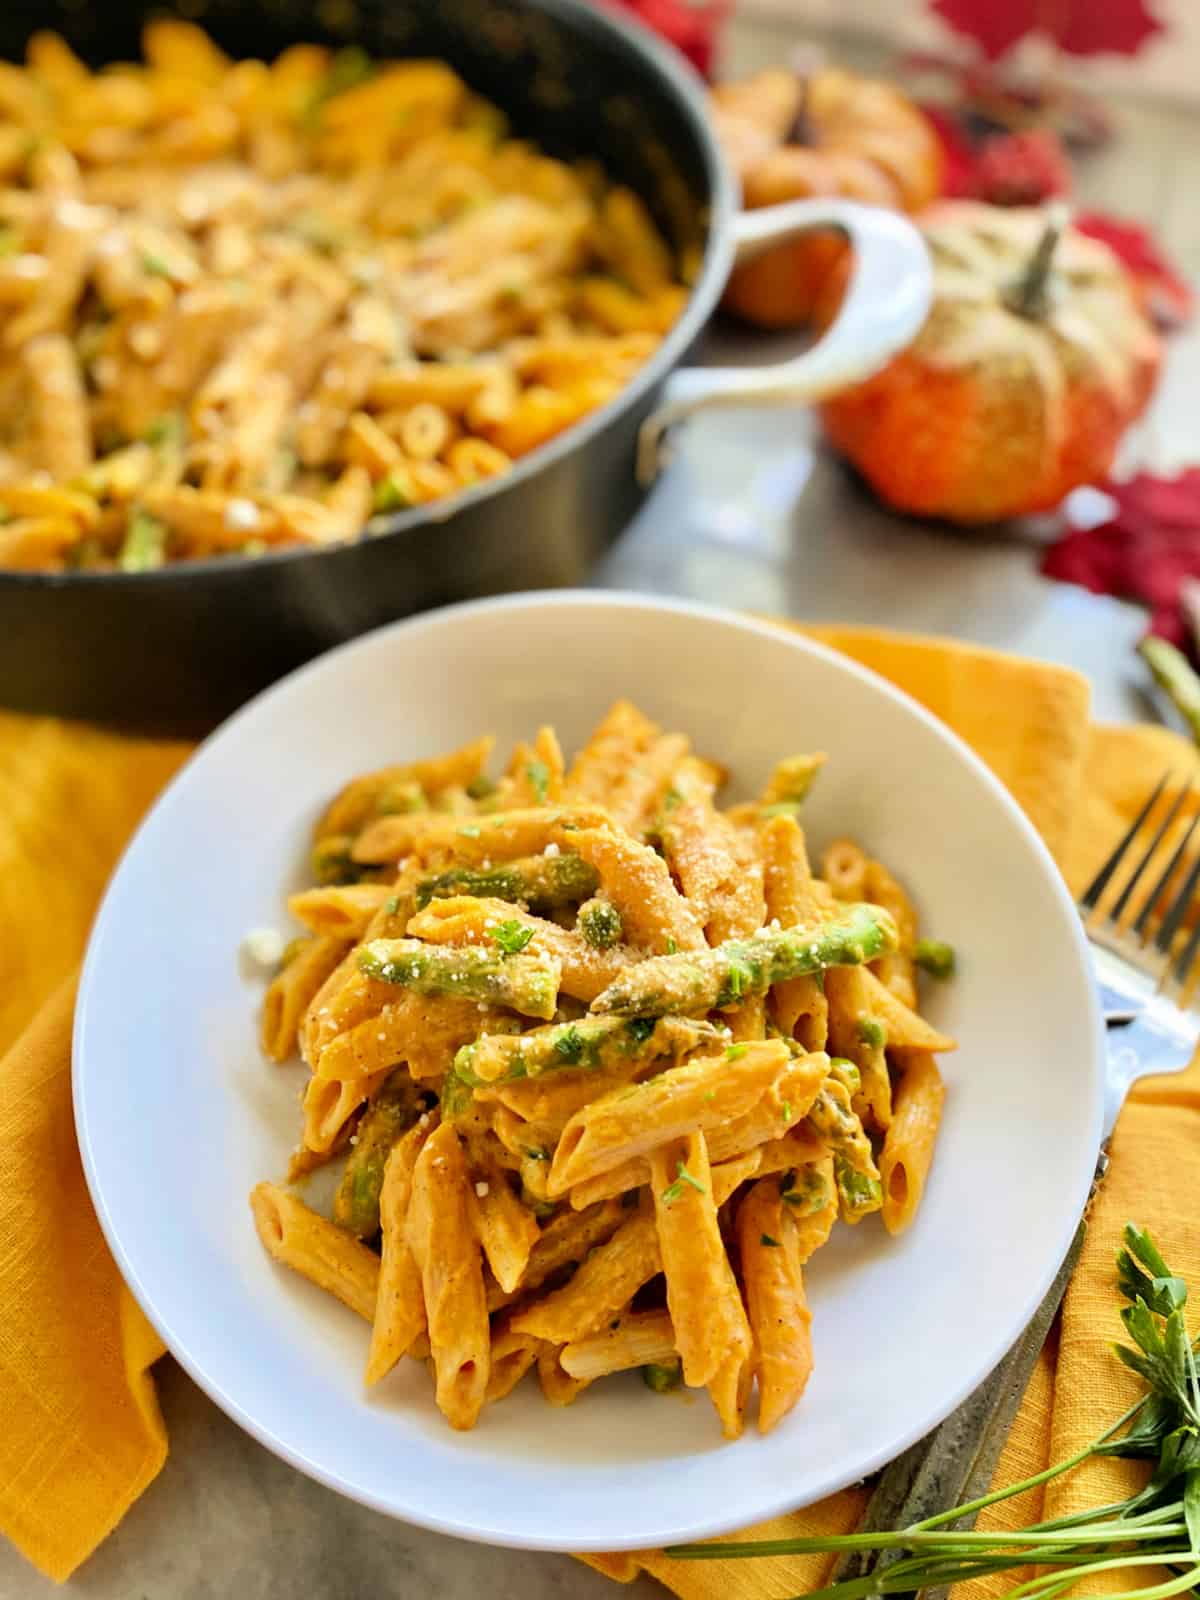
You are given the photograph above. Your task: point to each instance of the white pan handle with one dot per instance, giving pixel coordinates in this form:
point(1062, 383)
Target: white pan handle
point(886, 302)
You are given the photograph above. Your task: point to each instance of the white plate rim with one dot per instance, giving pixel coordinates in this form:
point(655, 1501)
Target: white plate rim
point(708, 1526)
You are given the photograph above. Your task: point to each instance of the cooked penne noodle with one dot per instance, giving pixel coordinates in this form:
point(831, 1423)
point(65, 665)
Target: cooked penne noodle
point(702, 1297)
point(908, 1148)
point(292, 991)
point(559, 1387)
point(502, 836)
point(368, 795)
point(585, 1191)
point(630, 1122)
point(775, 1301)
point(859, 1037)
point(605, 1281)
point(506, 1229)
point(342, 909)
point(316, 1248)
point(512, 1356)
point(424, 1031)
point(897, 970)
point(635, 1339)
point(211, 247)
point(329, 1103)
point(700, 849)
point(400, 1304)
point(444, 1245)
point(844, 868)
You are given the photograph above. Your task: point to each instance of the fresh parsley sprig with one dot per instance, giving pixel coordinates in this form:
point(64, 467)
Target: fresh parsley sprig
point(1157, 1527)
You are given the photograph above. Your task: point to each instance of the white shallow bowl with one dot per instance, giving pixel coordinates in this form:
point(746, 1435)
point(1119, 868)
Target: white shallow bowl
point(178, 1116)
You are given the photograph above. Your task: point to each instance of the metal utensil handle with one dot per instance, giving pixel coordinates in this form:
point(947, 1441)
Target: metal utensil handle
point(887, 300)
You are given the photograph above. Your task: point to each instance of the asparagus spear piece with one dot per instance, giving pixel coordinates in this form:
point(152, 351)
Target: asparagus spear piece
point(543, 883)
point(592, 1042)
point(527, 983)
point(731, 973)
point(145, 543)
point(600, 923)
point(394, 1109)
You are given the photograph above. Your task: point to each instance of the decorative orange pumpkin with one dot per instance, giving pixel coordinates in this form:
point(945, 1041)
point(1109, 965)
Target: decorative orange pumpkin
point(789, 137)
point(1034, 360)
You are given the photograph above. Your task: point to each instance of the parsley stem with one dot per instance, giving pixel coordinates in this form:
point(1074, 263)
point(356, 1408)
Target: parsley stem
point(1083, 1567)
point(1112, 1532)
point(974, 1506)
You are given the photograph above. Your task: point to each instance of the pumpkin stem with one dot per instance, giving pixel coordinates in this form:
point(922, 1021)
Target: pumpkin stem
point(1030, 295)
point(805, 62)
point(800, 129)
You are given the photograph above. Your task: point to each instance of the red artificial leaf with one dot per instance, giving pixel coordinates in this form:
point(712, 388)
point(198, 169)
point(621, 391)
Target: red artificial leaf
point(995, 25)
point(1079, 27)
point(1146, 551)
point(1113, 27)
point(1166, 298)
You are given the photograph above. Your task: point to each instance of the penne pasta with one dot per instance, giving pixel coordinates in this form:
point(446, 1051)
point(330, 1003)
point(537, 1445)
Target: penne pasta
point(908, 1148)
point(567, 1034)
point(316, 1248)
point(635, 1339)
point(630, 1122)
point(292, 991)
point(507, 1230)
point(775, 1302)
point(400, 1304)
point(712, 1334)
point(446, 1250)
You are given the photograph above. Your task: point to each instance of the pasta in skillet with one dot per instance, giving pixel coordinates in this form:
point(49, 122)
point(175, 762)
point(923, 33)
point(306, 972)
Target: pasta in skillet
point(244, 306)
point(606, 1065)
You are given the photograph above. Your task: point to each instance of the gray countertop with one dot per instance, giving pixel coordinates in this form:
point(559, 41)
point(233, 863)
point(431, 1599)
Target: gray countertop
point(753, 515)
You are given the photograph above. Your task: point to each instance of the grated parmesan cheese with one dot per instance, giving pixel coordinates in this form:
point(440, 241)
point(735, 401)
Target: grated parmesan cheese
point(264, 946)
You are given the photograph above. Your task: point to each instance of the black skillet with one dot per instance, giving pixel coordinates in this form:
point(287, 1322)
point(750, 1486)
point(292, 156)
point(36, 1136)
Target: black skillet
point(175, 649)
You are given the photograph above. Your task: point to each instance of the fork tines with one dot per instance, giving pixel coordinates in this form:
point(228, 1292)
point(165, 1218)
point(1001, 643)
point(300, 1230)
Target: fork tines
point(1152, 948)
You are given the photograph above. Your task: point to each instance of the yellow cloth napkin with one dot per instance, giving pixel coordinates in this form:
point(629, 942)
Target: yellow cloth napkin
point(80, 1433)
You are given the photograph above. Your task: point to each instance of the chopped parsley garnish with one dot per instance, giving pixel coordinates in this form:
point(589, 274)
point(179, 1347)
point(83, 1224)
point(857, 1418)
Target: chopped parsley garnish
point(735, 1052)
point(642, 1027)
point(672, 947)
point(155, 265)
point(935, 957)
point(765, 1238)
point(534, 1153)
point(785, 1111)
point(512, 936)
point(674, 1190)
point(392, 905)
point(480, 787)
point(469, 832)
point(538, 774)
point(671, 799)
point(871, 1033)
point(569, 1045)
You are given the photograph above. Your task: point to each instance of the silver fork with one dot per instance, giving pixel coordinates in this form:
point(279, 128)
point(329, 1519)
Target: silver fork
point(1143, 979)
